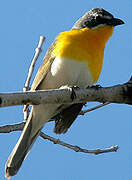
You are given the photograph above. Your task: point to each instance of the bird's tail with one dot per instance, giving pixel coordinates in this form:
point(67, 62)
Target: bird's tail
point(21, 149)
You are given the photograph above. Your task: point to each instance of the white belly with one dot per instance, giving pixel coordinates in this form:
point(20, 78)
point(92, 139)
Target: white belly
point(67, 72)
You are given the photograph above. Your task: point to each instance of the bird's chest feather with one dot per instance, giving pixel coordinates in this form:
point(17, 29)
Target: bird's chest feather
point(70, 72)
point(85, 46)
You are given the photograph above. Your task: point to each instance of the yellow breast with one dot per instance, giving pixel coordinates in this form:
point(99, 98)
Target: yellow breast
point(84, 45)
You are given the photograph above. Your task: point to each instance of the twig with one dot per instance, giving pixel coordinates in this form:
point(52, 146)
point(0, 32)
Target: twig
point(77, 148)
point(38, 50)
point(12, 127)
point(93, 108)
point(19, 126)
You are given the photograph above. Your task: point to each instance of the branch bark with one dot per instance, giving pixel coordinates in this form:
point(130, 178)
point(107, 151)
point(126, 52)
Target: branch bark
point(114, 94)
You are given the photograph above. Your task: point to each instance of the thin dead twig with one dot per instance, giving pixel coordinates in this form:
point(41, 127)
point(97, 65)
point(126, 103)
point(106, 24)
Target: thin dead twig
point(93, 108)
point(19, 126)
point(38, 50)
point(77, 148)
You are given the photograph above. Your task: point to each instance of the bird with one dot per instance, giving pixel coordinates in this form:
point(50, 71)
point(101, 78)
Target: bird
point(75, 58)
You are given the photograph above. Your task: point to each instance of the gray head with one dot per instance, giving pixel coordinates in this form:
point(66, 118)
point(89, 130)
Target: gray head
point(97, 17)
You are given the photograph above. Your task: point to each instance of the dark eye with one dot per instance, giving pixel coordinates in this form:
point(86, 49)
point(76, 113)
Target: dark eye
point(98, 19)
point(101, 20)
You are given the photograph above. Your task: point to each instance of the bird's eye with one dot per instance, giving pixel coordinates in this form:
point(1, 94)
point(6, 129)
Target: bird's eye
point(98, 18)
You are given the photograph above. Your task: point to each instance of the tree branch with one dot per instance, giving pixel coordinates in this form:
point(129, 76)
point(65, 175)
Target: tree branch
point(38, 50)
point(114, 94)
point(83, 112)
point(77, 148)
point(19, 126)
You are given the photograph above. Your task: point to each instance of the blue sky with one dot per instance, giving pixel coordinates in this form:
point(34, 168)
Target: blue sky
point(22, 22)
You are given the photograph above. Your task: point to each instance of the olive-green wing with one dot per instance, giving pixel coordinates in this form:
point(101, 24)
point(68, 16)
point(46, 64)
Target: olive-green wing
point(43, 70)
point(67, 116)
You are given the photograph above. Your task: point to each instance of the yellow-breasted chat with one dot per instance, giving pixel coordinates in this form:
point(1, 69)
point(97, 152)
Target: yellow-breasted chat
point(74, 59)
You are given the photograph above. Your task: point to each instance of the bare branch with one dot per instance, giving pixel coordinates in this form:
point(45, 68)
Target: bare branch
point(115, 94)
point(19, 126)
point(93, 108)
point(77, 148)
point(12, 127)
point(38, 50)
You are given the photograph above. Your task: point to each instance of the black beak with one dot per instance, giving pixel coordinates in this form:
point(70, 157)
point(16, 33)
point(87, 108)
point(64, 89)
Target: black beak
point(115, 22)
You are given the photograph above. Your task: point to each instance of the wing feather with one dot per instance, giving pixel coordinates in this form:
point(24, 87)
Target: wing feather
point(43, 70)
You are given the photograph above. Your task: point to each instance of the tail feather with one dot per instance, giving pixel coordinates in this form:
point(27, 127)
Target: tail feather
point(21, 149)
